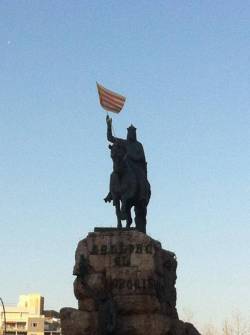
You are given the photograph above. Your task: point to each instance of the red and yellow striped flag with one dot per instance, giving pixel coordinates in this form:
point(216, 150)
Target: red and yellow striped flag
point(109, 100)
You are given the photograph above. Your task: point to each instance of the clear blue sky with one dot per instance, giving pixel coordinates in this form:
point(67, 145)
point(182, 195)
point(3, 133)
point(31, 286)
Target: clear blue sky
point(185, 68)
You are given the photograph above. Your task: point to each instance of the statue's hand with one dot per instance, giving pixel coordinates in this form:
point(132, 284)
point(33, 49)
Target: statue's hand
point(108, 120)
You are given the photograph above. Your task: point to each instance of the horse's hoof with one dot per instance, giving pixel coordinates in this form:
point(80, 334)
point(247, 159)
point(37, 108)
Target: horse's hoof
point(119, 226)
point(129, 224)
point(123, 216)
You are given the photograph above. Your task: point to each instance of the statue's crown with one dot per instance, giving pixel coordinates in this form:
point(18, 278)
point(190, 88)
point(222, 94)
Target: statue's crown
point(131, 128)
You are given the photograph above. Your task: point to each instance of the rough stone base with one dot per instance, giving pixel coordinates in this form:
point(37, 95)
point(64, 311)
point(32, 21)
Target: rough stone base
point(75, 322)
point(125, 285)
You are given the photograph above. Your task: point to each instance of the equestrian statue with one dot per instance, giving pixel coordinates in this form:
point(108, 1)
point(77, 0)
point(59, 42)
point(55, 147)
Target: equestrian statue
point(129, 186)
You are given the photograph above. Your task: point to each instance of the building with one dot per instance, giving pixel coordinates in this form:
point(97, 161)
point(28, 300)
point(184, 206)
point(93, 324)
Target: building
point(29, 318)
point(52, 325)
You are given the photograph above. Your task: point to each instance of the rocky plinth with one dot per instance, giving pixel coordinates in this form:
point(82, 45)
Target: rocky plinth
point(125, 285)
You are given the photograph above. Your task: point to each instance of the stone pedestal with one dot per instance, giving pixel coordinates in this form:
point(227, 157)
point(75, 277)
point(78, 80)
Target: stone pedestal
point(125, 285)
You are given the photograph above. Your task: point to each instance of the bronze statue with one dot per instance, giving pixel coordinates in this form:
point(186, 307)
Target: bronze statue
point(129, 186)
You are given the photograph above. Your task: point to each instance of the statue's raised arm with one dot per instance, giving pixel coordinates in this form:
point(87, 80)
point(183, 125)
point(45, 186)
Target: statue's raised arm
point(110, 136)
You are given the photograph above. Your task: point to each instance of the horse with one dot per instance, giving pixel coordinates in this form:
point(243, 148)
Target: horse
point(125, 190)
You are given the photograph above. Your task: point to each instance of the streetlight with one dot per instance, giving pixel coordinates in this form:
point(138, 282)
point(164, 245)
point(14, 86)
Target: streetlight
point(4, 315)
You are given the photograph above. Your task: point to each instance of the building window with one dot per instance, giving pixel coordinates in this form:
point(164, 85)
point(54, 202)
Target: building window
point(34, 324)
point(21, 325)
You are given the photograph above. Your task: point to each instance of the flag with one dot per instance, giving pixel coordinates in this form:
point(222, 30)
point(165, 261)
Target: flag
point(109, 100)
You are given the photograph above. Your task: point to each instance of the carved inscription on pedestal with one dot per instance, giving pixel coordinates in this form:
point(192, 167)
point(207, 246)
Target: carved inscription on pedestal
point(121, 252)
point(121, 248)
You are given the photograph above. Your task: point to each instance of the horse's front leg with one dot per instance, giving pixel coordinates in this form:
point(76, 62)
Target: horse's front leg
point(118, 214)
point(124, 206)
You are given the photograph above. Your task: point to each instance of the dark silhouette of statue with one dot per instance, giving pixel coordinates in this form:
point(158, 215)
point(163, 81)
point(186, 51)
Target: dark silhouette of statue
point(129, 186)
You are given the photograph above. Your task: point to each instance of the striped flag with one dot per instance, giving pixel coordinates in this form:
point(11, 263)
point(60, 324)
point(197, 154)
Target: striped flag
point(109, 100)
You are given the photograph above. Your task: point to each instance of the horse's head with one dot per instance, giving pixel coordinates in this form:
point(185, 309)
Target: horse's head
point(118, 154)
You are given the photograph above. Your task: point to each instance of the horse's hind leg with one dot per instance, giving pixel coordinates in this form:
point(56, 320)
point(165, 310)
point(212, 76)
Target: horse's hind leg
point(140, 217)
point(118, 214)
point(129, 218)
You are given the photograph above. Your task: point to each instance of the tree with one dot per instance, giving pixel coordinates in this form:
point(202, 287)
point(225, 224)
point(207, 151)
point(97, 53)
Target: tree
point(209, 329)
point(236, 326)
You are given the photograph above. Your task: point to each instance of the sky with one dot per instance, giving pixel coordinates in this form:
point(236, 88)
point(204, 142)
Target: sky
point(184, 67)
